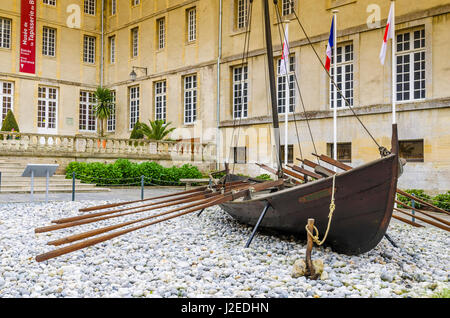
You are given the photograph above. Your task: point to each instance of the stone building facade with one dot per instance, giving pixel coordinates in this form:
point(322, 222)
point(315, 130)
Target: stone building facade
point(188, 58)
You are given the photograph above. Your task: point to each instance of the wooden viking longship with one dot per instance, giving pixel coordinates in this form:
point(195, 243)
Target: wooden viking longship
point(363, 198)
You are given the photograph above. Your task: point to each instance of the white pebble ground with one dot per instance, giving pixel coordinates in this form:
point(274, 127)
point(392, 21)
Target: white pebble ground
point(205, 256)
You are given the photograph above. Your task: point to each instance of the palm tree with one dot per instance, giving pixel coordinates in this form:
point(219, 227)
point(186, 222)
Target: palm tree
point(104, 106)
point(157, 130)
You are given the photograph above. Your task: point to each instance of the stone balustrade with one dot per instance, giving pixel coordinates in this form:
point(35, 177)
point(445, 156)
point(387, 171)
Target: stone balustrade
point(39, 145)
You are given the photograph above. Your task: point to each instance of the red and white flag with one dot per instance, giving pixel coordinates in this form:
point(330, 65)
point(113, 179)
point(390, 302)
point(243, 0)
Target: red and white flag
point(284, 67)
point(388, 34)
point(330, 47)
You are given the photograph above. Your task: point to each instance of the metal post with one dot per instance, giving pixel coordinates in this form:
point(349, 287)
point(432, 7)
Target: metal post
point(46, 186)
point(32, 184)
point(261, 217)
point(142, 187)
point(413, 205)
point(73, 186)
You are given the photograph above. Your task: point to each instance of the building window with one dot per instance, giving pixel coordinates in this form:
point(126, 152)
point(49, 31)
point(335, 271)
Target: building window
point(134, 42)
point(344, 151)
point(190, 99)
point(240, 92)
point(287, 7)
point(134, 105)
point(411, 150)
point(344, 76)
point(113, 7)
point(241, 13)
point(48, 41)
point(281, 86)
point(411, 65)
point(50, 2)
point(47, 106)
point(6, 99)
point(290, 153)
point(87, 119)
point(160, 100)
point(192, 24)
point(111, 122)
point(5, 33)
point(89, 49)
point(135, 2)
point(161, 23)
point(112, 49)
point(239, 154)
point(89, 7)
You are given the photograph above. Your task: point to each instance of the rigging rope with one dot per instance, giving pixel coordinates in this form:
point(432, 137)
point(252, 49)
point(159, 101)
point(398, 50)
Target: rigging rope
point(331, 78)
point(315, 238)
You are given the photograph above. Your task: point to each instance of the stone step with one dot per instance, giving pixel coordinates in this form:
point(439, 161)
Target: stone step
point(37, 181)
point(52, 190)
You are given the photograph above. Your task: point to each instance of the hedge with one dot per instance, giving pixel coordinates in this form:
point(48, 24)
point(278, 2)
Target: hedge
point(124, 172)
point(441, 200)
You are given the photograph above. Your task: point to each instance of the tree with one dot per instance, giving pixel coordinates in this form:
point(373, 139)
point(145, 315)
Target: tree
point(157, 130)
point(10, 124)
point(104, 106)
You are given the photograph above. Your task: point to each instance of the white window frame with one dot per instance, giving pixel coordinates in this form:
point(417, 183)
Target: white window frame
point(5, 33)
point(111, 121)
point(409, 55)
point(241, 13)
point(345, 76)
point(281, 86)
point(161, 24)
point(135, 3)
point(6, 99)
point(190, 99)
point(160, 89)
point(135, 42)
point(89, 7)
point(47, 118)
point(192, 24)
point(134, 103)
point(287, 7)
point(112, 49)
point(89, 49)
point(48, 41)
point(86, 112)
point(240, 103)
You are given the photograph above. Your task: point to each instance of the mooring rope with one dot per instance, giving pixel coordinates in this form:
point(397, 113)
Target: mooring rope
point(315, 237)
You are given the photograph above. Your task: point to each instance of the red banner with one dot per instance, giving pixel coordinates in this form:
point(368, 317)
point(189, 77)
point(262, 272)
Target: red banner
point(28, 37)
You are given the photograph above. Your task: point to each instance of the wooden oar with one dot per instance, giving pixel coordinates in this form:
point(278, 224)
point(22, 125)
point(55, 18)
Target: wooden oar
point(304, 171)
point(424, 213)
point(224, 198)
point(422, 201)
point(443, 227)
point(180, 200)
point(407, 221)
point(80, 236)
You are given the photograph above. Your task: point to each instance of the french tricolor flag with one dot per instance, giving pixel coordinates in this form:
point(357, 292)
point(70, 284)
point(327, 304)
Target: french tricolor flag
point(388, 34)
point(330, 47)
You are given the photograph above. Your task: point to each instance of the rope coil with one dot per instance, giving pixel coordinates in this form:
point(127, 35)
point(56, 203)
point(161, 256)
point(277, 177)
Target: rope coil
point(315, 237)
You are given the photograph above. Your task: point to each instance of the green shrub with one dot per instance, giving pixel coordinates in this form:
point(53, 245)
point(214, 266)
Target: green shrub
point(124, 172)
point(419, 194)
point(442, 201)
point(10, 124)
point(264, 177)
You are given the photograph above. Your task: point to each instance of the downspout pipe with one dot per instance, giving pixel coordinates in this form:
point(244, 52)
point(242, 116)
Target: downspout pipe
point(102, 58)
point(219, 57)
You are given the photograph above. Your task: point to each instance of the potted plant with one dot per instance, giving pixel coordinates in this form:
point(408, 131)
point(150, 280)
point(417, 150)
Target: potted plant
point(157, 130)
point(10, 125)
point(103, 109)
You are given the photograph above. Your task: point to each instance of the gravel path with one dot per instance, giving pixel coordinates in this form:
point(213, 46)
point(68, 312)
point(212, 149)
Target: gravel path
point(204, 257)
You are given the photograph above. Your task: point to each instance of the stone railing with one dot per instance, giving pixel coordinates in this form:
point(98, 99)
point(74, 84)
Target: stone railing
point(39, 145)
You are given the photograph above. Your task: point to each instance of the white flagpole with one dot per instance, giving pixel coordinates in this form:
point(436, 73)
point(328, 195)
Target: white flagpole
point(287, 102)
point(335, 88)
point(394, 70)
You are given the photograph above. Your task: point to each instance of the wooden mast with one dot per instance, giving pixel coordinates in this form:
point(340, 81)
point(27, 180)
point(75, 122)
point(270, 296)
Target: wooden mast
point(273, 91)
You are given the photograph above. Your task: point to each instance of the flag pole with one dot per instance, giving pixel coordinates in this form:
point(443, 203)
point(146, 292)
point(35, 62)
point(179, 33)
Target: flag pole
point(335, 88)
point(394, 70)
point(288, 98)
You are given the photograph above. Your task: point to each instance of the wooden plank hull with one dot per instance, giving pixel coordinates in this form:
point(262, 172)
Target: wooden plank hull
point(364, 198)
